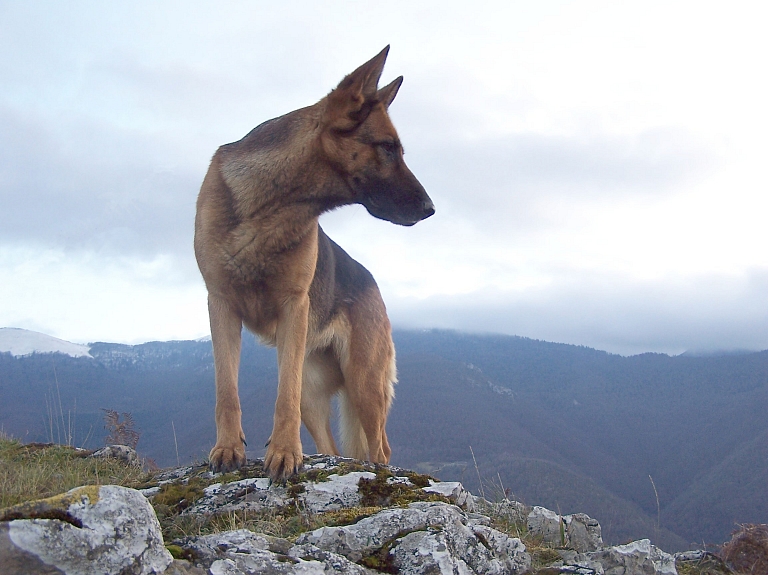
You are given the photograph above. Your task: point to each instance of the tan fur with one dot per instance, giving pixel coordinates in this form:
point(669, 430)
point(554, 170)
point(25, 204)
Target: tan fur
point(268, 265)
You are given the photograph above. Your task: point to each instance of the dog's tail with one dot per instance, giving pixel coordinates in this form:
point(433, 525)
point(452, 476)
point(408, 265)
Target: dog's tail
point(353, 440)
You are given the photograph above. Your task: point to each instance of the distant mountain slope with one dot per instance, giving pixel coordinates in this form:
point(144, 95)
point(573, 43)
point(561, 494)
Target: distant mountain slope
point(564, 426)
point(733, 492)
point(18, 341)
point(617, 420)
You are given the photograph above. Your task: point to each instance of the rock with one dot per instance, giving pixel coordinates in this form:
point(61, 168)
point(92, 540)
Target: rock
point(636, 558)
point(209, 548)
point(331, 493)
point(426, 552)
point(253, 494)
point(547, 525)
point(582, 533)
point(702, 561)
point(578, 531)
point(114, 530)
point(577, 564)
point(121, 452)
point(337, 492)
point(452, 490)
point(424, 538)
point(105, 530)
point(512, 512)
point(333, 562)
point(244, 552)
point(307, 560)
point(182, 567)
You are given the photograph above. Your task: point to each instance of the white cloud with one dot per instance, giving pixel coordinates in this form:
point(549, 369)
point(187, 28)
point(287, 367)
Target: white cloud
point(85, 298)
point(596, 166)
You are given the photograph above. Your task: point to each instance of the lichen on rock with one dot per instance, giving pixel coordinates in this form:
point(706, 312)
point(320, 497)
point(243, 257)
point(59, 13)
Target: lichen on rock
point(107, 530)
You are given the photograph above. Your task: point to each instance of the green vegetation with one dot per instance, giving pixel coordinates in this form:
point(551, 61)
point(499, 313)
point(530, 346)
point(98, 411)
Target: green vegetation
point(36, 471)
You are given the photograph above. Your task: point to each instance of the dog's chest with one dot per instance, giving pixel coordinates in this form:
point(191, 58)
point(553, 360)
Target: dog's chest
point(261, 253)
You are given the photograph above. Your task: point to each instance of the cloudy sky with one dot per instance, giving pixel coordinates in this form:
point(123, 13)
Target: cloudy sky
point(598, 167)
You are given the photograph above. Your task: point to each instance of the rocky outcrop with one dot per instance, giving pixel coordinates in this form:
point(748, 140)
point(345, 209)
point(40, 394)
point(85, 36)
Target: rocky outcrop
point(242, 551)
point(106, 530)
point(638, 557)
point(425, 537)
point(354, 518)
point(124, 453)
point(578, 532)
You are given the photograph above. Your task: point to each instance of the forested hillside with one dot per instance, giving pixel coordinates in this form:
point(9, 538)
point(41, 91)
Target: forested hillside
point(567, 427)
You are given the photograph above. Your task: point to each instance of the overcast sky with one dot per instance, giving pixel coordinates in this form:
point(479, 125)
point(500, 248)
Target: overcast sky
point(598, 168)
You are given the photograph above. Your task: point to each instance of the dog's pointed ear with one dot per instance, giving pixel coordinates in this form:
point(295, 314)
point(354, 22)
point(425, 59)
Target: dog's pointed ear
point(351, 102)
point(388, 93)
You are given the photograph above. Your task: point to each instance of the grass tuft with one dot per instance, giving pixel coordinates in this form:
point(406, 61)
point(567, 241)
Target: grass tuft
point(747, 551)
point(36, 471)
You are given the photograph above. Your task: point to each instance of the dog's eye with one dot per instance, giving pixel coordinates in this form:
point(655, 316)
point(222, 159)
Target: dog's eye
point(390, 148)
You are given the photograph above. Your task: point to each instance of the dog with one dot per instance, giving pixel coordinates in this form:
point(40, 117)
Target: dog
point(268, 265)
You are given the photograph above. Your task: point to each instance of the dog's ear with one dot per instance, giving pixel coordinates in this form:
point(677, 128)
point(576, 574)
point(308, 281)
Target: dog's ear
point(351, 102)
point(388, 93)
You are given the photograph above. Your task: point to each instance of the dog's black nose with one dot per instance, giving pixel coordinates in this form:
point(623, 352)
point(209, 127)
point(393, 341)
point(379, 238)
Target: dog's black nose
point(428, 208)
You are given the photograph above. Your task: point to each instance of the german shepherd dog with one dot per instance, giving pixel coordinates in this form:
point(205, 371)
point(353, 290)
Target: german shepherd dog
point(268, 265)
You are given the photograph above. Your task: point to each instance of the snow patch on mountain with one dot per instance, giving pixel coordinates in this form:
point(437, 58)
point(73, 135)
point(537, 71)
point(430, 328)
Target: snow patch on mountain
point(21, 342)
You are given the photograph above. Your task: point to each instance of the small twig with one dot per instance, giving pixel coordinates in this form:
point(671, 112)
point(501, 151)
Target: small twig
point(658, 507)
point(87, 437)
point(482, 493)
point(58, 392)
point(178, 463)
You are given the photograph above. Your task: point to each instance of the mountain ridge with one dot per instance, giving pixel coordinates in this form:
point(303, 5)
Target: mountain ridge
point(537, 417)
point(20, 342)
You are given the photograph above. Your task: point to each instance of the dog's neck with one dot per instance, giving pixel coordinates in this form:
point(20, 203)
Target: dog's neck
point(281, 159)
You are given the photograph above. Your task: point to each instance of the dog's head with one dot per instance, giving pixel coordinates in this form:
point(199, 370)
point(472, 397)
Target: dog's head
point(362, 144)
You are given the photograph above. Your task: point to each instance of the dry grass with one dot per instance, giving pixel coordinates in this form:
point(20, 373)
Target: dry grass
point(287, 522)
point(747, 551)
point(35, 471)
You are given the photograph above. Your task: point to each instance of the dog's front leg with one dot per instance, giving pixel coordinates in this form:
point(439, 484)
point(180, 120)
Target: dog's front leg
point(284, 455)
point(229, 452)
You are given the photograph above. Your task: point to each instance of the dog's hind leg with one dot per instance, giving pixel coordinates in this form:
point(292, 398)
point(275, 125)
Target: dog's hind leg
point(369, 378)
point(226, 326)
point(321, 380)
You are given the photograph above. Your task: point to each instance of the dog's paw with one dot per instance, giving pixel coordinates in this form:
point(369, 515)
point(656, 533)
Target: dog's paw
point(227, 458)
point(282, 463)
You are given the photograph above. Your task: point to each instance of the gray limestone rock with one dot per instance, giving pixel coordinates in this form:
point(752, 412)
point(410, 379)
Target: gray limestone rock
point(122, 452)
point(548, 525)
point(245, 553)
point(253, 494)
point(105, 530)
point(635, 558)
point(114, 530)
point(582, 533)
point(425, 538)
point(182, 567)
point(338, 492)
point(209, 548)
point(578, 531)
point(453, 490)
